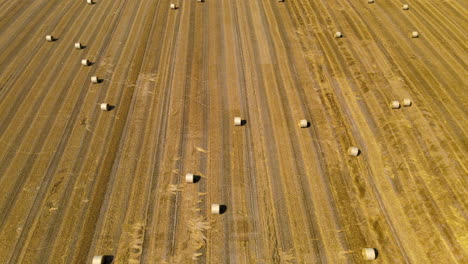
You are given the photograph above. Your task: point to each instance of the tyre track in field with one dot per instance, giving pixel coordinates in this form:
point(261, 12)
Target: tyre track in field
point(54, 161)
point(170, 83)
point(429, 36)
point(178, 213)
point(21, 103)
point(399, 69)
point(283, 79)
point(162, 129)
point(324, 167)
point(400, 72)
point(306, 195)
point(17, 141)
point(220, 247)
point(267, 230)
point(227, 182)
point(85, 148)
point(281, 243)
point(3, 4)
point(325, 46)
point(372, 183)
point(10, 52)
point(128, 175)
point(394, 66)
point(431, 205)
point(452, 7)
point(106, 219)
point(245, 102)
point(424, 195)
point(173, 226)
point(419, 56)
point(204, 159)
point(15, 10)
point(102, 222)
point(327, 100)
point(446, 29)
point(186, 241)
point(15, 78)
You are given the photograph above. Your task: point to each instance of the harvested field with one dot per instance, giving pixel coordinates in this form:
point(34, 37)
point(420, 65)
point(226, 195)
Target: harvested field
point(77, 181)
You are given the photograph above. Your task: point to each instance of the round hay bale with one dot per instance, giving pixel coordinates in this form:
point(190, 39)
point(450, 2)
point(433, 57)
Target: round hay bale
point(405, 7)
point(303, 123)
point(90, 2)
point(94, 79)
point(369, 253)
point(189, 178)
point(353, 151)
point(215, 208)
point(49, 38)
point(78, 45)
point(395, 105)
point(338, 34)
point(370, 1)
point(173, 6)
point(415, 34)
point(105, 107)
point(407, 102)
point(98, 260)
point(200, 1)
point(85, 62)
point(237, 121)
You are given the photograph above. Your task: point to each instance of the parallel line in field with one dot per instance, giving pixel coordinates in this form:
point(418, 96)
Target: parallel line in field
point(26, 127)
point(249, 158)
point(54, 161)
point(8, 58)
point(159, 143)
point(85, 148)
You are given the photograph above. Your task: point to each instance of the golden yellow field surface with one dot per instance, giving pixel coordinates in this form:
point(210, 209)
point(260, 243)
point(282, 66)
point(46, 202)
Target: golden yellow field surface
point(76, 181)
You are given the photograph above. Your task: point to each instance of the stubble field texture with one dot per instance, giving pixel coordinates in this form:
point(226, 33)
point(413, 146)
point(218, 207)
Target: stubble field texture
point(78, 182)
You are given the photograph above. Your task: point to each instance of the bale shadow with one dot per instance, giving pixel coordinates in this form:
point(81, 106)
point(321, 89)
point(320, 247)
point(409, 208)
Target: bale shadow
point(243, 122)
point(222, 209)
point(107, 259)
point(196, 178)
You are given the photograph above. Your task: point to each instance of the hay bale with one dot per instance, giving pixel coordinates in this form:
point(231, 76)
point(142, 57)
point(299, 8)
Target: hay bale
point(395, 105)
point(369, 253)
point(353, 151)
point(105, 107)
point(237, 121)
point(189, 178)
point(215, 208)
point(407, 102)
point(303, 123)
